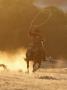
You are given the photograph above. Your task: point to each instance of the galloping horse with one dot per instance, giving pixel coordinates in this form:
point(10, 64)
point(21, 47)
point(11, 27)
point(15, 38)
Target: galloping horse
point(36, 55)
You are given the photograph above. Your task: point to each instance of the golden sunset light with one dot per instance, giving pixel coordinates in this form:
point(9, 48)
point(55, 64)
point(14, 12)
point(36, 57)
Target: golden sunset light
point(14, 61)
point(33, 44)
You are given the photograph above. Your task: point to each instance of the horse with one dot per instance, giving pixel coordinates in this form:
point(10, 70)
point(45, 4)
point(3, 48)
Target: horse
point(35, 55)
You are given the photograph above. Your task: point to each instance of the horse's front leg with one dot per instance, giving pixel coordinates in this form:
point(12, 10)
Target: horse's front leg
point(31, 63)
point(36, 65)
point(27, 65)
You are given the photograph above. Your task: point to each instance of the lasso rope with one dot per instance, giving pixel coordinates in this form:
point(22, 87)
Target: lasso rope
point(43, 23)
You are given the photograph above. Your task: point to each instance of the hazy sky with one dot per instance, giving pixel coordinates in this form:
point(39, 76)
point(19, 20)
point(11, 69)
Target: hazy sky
point(59, 3)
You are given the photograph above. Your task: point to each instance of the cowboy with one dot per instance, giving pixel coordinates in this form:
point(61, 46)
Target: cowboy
point(35, 51)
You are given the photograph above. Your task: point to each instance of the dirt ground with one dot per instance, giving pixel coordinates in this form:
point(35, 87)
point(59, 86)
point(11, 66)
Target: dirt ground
point(43, 79)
